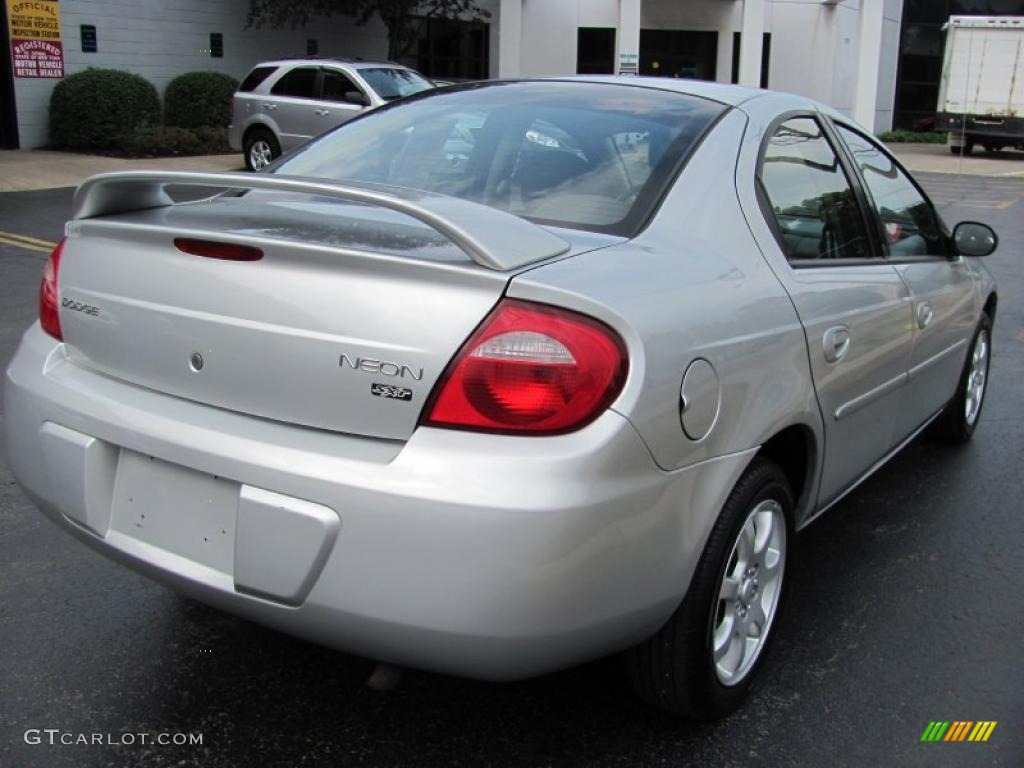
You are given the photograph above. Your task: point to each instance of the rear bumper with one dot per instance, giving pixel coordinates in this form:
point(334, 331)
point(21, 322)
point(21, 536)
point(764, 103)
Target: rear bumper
point(235, 136)
point(484, 556)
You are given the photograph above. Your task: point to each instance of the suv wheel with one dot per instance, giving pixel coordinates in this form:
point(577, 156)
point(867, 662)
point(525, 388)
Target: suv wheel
point(702, 662)
point(261, 148)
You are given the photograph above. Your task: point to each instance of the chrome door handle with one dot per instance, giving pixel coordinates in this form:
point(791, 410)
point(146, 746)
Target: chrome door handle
point(924, 314)
point(323, 112)
point(836, 343)
point(270, 106)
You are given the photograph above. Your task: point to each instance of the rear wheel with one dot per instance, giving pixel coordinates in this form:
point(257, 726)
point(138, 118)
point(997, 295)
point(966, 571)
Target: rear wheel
point(960, 418)
point(260, 149)
point(702, 662)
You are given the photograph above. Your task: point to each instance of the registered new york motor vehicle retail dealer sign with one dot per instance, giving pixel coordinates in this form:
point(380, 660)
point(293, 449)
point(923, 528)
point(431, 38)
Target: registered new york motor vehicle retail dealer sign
point(36, 48)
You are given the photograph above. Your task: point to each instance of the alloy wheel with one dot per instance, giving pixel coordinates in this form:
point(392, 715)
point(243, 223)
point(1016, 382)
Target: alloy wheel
point(748, 595)
point(260, 154)
point(976, 378)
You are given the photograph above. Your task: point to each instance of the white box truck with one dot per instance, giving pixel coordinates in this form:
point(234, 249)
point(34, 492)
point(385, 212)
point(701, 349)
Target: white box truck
point(981, 96)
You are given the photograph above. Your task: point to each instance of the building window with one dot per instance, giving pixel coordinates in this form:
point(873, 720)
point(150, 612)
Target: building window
point(678, 53)
point(451, 50)
point(766, 56)
point(595, 51)
point(88, 32)
point(312, 47)
point(216, 45)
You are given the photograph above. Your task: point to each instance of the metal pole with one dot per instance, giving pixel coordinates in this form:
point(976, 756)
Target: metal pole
point(963, 117)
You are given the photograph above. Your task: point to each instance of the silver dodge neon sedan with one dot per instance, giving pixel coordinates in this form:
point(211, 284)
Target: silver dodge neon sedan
point(503, 377)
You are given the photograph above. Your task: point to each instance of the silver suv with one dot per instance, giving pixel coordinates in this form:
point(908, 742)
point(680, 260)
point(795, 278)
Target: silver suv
point(280, 105)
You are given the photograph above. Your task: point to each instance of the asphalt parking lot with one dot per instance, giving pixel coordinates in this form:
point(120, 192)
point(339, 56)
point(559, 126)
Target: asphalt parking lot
point(906, 606)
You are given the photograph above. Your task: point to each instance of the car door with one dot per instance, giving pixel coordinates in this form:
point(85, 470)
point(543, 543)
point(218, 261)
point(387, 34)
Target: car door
point(335, 105)
point(939, 281)
point(854, 307)
point(291, 106)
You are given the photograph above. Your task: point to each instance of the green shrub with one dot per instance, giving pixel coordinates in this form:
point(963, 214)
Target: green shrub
point(99, 108)
point(166, 140)
point(912, 137)
point(198, 99)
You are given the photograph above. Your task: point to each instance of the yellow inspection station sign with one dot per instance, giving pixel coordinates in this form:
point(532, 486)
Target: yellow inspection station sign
point(36, 48)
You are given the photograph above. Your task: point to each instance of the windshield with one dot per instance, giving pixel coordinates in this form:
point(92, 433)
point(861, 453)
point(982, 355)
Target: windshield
point(391, 84)
point(584, 155)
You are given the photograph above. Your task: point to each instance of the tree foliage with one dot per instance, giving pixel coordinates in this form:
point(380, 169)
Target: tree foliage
point(199, 99)
point(401, 17)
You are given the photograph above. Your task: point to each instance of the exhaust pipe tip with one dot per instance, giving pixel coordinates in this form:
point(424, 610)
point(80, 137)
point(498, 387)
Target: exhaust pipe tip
point(384, 678)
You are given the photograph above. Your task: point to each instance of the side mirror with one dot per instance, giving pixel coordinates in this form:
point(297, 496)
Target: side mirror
point(974, 239)
point(357, 97)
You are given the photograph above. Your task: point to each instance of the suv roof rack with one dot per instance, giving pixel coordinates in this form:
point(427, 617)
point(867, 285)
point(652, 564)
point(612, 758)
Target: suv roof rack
point(339, 59)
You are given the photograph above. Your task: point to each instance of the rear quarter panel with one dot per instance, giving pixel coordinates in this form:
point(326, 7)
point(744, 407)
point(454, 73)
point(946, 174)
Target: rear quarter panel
point(248, 113)
point(694, 285)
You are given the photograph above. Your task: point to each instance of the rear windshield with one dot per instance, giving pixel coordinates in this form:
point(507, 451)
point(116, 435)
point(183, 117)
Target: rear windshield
point(583, 155)
point(254, 78)
point(391, 84)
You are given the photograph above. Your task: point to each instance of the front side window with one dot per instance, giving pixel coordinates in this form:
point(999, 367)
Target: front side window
point(299, 83)
point(391, 83)
point(908, 220)
point(811, 199)
point(586, 155)
point(337, 86)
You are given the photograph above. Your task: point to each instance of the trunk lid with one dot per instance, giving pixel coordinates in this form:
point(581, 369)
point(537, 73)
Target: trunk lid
point(345, 323)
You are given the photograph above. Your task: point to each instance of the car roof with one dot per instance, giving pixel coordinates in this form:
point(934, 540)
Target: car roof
point(724, 93)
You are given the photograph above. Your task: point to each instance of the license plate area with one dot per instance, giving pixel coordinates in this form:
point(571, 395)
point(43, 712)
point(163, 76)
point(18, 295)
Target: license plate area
point(187, 513)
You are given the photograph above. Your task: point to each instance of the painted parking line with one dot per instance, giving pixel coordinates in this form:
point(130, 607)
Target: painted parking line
point(26, 246)
point(25, 241)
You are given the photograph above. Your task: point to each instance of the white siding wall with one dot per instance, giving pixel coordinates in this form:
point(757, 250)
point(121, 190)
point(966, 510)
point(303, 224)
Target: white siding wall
point(160, 39)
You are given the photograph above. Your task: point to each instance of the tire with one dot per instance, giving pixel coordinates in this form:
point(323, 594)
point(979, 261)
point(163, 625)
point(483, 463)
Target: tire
point(675, 669)
point(956, 150)
point(260, 149)
point(960, 418)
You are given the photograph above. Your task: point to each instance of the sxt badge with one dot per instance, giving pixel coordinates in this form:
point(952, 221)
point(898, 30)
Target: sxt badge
point(390, 391)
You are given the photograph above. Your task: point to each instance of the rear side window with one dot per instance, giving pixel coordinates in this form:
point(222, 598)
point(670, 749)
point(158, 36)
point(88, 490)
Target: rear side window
point(811, 199)
point(254, 78)
point(299, 83)
point(911, 227)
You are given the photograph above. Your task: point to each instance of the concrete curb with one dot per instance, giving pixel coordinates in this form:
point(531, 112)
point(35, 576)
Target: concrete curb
point(22, 170)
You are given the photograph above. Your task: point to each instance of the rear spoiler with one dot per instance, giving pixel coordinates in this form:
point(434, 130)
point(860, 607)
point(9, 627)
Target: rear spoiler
point(491, 238)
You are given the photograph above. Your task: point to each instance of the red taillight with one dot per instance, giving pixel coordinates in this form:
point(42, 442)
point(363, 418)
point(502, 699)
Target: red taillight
point(213, 249)
point(530, 369)
point(49, 298)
